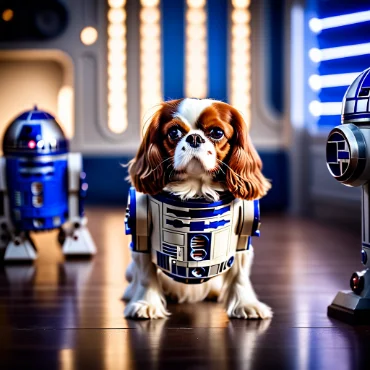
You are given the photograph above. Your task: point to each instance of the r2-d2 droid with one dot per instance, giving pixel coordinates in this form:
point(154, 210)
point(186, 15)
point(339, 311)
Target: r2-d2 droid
point(191, 241)
point(42, 187)
point(348, 160)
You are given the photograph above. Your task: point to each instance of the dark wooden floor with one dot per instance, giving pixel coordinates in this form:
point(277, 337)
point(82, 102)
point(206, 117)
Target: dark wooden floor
point(68, 315)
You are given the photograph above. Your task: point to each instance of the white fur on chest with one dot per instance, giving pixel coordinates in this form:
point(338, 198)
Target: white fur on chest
point(202, 186)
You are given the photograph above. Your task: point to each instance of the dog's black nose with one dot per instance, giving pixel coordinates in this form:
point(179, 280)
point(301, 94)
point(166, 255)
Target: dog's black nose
point(195, 140)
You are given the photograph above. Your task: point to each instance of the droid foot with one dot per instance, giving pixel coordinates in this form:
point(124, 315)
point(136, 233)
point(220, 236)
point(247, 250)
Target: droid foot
point(20, 248)
point(78, 241)
point(350, 308)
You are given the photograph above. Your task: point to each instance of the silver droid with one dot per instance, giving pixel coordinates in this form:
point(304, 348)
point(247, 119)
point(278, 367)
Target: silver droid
point(348, 160)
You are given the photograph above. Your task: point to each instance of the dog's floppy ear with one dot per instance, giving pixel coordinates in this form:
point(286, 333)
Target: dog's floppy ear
point(146, 170)
point(244, 178)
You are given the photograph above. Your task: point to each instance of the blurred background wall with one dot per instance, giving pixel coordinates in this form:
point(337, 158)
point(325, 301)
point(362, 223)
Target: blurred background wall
point(101, 66)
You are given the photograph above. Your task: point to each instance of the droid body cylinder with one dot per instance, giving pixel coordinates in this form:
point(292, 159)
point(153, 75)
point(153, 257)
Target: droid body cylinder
point(348, 161)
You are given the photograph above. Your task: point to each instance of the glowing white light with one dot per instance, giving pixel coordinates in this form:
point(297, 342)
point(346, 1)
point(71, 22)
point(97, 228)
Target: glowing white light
point(317, 108)
point(150, 31)
point(116, 31)
point(150, 58)
point(117, 81)
point(196, 77)
point(315, 25)
point(89, 35)
point(240, 16)
point(66, 109)
point(149, 3)
point(317, 55)
point(196, 16)
point(241, 3)
point(40, 144)
point(318, 25)
point(240, 61)
point(116, 3)
point(149, 15)
point(197, 3)
point(116, 15)
point(317, 82)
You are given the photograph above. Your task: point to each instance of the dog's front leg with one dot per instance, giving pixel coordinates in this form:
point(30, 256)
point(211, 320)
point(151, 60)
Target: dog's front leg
point(146, 299)
point(237, 291)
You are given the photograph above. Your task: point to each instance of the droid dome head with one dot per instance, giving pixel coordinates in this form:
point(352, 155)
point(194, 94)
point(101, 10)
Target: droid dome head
point(34, 133)
point(356, 104)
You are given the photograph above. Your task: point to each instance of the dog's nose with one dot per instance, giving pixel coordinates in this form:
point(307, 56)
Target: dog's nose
point(195, 140)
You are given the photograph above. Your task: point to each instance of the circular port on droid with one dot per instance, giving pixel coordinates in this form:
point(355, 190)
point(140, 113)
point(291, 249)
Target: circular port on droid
point(357, 282)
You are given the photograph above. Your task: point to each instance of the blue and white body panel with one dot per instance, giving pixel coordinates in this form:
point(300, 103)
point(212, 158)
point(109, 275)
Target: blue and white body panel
point(348, 161)
point(38, 191)
point(191, 241)
point(59, 184)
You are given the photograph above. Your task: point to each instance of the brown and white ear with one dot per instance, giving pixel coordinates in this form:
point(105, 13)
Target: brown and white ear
point(145, 170)
point(244, 177)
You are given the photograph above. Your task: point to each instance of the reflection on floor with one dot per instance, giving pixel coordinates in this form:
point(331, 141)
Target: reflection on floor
point(67, 315)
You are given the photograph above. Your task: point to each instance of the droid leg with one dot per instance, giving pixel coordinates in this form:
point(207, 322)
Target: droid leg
point(18, 245)
point(353, 306)
point(77, 238)
point(20, 248)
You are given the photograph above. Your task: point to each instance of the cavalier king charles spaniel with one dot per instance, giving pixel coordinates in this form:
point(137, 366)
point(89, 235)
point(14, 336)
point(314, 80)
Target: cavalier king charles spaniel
point(196, 148)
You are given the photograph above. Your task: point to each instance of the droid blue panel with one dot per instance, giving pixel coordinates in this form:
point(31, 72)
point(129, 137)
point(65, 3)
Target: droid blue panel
point(38, 192)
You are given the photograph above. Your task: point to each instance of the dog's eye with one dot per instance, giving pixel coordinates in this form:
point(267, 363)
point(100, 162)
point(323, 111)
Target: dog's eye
point(216, 133)
point(174, 133)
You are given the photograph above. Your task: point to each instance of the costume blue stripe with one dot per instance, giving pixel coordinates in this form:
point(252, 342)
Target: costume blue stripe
point(186, 280)
point(197, 225)
point(163, 261)
point(169, 249)
point(217, 48)
point(173, 46)
point(249, 243)
point(256, 218)
point(201, 213)
point(349, 116)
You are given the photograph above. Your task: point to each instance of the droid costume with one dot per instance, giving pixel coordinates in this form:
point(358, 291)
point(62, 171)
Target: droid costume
point(42, 187)
point(348, 161)
point(191, 241)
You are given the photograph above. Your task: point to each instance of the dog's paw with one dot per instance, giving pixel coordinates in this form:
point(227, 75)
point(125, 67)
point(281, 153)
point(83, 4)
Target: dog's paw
point(145, 310)
point(250, 310)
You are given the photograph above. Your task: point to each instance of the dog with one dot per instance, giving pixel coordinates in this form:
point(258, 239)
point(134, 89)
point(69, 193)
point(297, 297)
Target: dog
point(195, 148)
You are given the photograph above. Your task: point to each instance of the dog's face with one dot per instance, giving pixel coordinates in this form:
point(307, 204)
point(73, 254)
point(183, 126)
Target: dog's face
point(198, 136)
point(195, 138)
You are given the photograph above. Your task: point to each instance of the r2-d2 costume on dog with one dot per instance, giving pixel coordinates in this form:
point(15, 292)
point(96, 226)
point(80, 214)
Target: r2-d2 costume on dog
point(348, 161)
point(191, 241)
